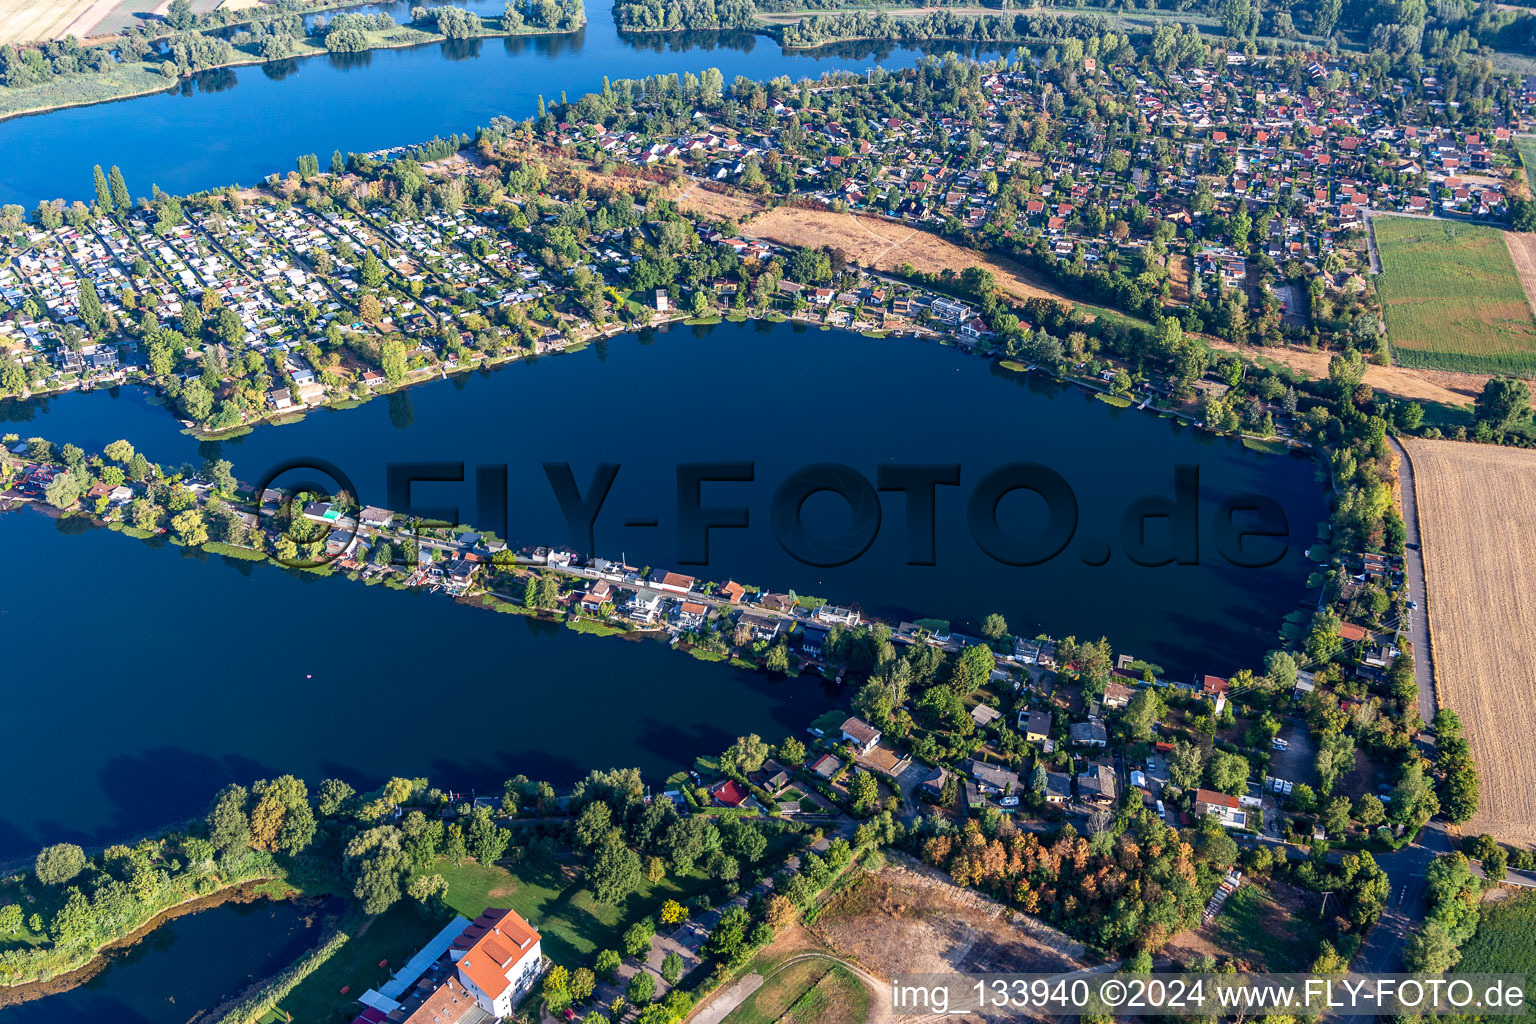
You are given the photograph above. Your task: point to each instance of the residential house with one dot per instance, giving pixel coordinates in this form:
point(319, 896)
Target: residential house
point(1117, 695)
point(1088, 734)
point(997, 782)
point(861, 734)
point(1036, 725)
point(1227, 809)
point(1096, 785)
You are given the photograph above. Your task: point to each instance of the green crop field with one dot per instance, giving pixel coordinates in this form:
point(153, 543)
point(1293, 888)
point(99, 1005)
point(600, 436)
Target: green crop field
point(1453, 299)
point(1505, 943)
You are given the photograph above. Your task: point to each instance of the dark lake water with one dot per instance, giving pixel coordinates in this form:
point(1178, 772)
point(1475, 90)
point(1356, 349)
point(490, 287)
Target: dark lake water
point(186, 669)
point(237, 125)
point(185, 965)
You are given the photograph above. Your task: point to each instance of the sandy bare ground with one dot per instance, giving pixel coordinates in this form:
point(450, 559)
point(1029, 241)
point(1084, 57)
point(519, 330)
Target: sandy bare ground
point(881, 245)
point(24, 21)
point(908, 919)
point(1477, 516)
point(1415, 385)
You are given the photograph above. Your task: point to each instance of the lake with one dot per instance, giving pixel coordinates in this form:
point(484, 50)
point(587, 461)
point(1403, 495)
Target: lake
point(196, 667)
point(186, 965)
point(237, 125)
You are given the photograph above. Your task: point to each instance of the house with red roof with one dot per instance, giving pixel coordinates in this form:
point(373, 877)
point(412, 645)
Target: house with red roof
point(729, 793)
point(498, 959)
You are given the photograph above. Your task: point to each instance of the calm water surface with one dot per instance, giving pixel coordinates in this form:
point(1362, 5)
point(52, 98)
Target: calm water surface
point(237, 125)
point(165, 673)
point(185, 965)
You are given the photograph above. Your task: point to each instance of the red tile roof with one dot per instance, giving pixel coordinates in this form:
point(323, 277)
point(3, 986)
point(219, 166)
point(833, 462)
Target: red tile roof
point(496, 940)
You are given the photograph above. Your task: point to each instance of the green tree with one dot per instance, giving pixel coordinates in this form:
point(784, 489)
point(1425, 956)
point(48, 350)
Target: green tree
point(1186, 764)
point(59, 863)
point(1504, 402)
point(392, 361)
point(607, 963)
point(614, 873)
point(103, 190)
point(10, 918)
point(229, 828)
point(120, 197)
point(642, 988)
point(746, 755)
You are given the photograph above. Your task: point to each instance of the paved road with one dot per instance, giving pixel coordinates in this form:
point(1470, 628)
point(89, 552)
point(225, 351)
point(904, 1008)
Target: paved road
point(1418, 616)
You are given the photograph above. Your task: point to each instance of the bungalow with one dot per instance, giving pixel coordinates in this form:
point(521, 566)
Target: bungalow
point(992, 779)
point(1036, 725)
point(1226, 808)
point(984, 715)
point(1088, 734)
point(1058, 788)
point(1117, 695)
point(729, 793)
point(861, 734)
point(677, 583)
point(827, 765)
point(376, 518)
point(933, 781)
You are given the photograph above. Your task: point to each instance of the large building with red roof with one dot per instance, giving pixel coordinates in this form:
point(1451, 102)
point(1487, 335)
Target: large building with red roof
point(497, 959)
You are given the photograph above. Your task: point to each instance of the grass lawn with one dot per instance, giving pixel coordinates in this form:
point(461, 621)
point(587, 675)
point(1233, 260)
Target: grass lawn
point(1268, 447)
point(816, 990)
point(1527, 148)
point(1505, 943)
point(1255, 926)
point(1452, 297)
point(393, 937)
point(574, 926)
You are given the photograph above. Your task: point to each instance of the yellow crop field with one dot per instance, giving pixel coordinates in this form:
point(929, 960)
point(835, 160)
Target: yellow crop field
point(1477, 523)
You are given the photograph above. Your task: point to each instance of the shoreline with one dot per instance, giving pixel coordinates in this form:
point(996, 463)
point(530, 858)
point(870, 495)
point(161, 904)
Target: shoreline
point(249, 60)
point(101, 959)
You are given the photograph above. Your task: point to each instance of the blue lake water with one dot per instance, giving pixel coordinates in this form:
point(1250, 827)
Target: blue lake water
point(189, 669)
point(238, 125)
point(185, 965)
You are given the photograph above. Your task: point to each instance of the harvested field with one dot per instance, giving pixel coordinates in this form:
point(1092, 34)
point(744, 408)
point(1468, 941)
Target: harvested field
point(1452, 297)
point(906, 918)
point(1477, 520)
point(1522, 251)
point(24, 21)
